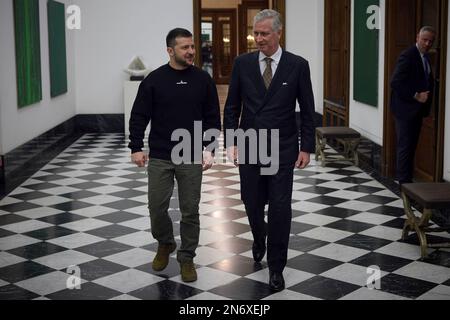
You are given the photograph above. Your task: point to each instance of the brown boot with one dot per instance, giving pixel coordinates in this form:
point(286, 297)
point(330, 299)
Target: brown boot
point(188, 272)
point(162, 256)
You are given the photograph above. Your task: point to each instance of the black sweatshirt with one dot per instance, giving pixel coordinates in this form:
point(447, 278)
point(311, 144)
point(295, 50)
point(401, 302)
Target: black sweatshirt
point(172, 99)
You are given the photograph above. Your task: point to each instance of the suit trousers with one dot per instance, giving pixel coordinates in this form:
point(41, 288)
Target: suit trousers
point(408, 133)
point(276, 191)
point(161, 174)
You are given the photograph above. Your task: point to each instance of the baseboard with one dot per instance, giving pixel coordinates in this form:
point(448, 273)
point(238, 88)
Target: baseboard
point(21, 163)
point(100, 123)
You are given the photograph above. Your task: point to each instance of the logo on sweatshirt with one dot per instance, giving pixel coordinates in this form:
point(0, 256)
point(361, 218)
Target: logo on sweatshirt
point(181, 83)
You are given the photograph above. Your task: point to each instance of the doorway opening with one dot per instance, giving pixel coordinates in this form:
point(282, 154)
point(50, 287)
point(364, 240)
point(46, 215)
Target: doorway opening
point(218, 43)
point(223, 29)
point(403, 20)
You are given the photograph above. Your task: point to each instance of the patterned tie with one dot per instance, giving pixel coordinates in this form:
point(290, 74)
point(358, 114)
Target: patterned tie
point(267, 75)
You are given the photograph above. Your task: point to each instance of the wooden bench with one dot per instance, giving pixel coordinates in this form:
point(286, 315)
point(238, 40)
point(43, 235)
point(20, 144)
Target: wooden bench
point(348, 137)
point(430, 196)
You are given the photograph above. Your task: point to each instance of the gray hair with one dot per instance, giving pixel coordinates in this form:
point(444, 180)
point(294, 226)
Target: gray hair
point(277, 24)
point(428, 29)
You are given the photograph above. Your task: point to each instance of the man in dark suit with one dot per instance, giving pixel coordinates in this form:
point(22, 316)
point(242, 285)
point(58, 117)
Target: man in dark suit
point(412, 87)
point(264, 88)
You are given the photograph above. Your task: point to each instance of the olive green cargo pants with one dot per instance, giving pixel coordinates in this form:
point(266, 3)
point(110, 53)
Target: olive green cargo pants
point(161, 175)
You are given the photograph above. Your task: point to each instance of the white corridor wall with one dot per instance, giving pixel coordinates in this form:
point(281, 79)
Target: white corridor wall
point(112, 32)
point(304, 37)
point(18, 126)
point(368, 120)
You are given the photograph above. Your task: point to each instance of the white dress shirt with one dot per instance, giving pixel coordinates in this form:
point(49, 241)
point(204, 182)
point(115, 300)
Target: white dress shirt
point(275, 61)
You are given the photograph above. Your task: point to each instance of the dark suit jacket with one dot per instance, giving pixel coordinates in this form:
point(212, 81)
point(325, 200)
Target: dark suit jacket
point(409, 78)
point(250, 106)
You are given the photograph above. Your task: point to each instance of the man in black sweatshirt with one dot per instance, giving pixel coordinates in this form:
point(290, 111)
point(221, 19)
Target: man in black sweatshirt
point(175, 97)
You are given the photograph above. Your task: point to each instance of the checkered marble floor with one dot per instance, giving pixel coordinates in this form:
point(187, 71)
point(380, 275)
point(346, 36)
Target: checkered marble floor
point(85, 213)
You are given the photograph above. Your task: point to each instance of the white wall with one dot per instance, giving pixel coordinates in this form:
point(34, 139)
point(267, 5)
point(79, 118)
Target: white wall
point(112, 32)
point(366, 119)
point(304, 37)
point(447, 116)
point(19, 126)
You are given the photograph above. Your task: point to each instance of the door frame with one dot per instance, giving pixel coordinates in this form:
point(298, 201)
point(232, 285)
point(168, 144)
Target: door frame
point(440, 143)
point(242, 14)
point(341, 112)
point(389, 134)
point(279, 5)
point(232, 14)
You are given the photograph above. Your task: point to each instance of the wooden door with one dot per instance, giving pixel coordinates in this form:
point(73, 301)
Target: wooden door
point(400, 34)
point(337, 63)
point(218, 43)
point(247, 11)
point(403, 20)
point(429, 13)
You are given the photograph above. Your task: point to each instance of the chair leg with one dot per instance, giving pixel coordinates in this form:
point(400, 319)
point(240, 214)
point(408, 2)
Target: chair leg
point(317, 147)
point(423, 243)
point(423, 223)
point(321, 143)
point(413, 223)
point(406, 229)
point(353, 151)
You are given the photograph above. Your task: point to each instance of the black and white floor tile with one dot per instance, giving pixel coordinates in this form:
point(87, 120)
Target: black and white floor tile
point(86, 211)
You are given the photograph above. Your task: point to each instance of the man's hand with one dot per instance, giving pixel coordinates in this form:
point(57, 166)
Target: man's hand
point(232, 155)
point(208, 160)
point(303, 160)
point(422, 97)
point(139, 158)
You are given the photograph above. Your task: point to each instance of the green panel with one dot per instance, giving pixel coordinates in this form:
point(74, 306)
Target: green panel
point(366, 43)
point(28, 52)
point(57, 47)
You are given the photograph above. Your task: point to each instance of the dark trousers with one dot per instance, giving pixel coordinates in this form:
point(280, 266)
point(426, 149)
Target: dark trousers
point(276, 191)
point(408, 133)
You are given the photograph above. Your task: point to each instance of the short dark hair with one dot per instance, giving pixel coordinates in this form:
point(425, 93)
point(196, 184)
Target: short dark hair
point(171, 39)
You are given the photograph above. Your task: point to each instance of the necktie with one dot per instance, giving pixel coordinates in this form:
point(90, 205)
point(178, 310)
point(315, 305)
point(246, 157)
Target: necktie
point(427, 69)
point(267, 75)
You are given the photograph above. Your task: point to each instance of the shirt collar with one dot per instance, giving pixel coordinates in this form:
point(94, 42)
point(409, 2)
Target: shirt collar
point(276, 56)
point(421, 54)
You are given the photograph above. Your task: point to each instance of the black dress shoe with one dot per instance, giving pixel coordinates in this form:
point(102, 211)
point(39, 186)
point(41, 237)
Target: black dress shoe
point(258, 252)
point(276, 281)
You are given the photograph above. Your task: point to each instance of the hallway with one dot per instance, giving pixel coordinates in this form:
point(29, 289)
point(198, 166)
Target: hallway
point(87, 208)
point(222, 91)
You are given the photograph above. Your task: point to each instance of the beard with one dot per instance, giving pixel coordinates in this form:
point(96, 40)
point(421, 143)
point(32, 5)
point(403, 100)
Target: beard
point(182, 61)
